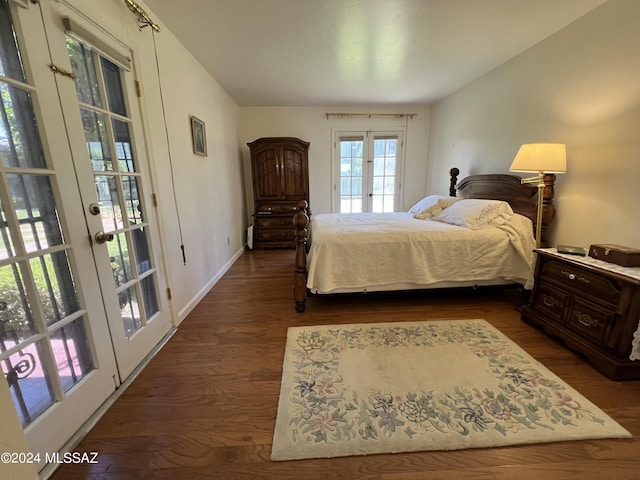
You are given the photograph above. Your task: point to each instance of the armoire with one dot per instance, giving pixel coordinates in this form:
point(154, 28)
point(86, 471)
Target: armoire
point(280, 169)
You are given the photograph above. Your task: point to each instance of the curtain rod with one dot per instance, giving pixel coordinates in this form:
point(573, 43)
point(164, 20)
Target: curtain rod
point(371, 115)
point(142, 16)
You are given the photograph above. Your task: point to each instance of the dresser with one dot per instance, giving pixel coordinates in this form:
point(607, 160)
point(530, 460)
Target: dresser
point(280, 170)
point(593, 306)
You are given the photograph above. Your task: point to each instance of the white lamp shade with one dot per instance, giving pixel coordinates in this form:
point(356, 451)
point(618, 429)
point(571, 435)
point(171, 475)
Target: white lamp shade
point(541, 157)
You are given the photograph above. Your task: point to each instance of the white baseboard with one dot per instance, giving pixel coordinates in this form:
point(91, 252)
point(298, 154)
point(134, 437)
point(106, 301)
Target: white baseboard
point(182, 314)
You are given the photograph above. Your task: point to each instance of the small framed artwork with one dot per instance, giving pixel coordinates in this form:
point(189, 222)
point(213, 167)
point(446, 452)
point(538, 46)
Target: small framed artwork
point(198, 136)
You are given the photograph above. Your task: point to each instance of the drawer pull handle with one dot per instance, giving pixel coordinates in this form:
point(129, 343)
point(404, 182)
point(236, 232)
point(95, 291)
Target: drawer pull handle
point(549, 301)
point(586, 320)
point(573, 276)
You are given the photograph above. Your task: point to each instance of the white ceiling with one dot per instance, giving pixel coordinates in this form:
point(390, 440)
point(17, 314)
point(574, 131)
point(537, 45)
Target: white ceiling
point(357, 52)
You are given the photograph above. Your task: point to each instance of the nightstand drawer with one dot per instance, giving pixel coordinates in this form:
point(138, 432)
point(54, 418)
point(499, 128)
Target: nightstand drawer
point(585, 282)
point(550, 300)
point(590, 321)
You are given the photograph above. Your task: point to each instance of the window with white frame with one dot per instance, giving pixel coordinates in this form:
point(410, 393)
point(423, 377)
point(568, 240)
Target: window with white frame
point(368, 166)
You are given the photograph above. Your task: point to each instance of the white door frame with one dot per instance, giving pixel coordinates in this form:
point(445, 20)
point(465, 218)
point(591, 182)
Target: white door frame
point(337, 133)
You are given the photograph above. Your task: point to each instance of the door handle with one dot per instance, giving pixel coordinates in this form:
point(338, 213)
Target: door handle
point(102, 237)
point(94, 209)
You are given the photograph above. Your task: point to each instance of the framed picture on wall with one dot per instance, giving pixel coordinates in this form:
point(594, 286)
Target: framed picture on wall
point(198, 136)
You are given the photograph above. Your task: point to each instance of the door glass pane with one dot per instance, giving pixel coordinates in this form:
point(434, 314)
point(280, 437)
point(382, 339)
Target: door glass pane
point(29, 382)
point(378, 166)
point(376, 203)
point(20, 144)
point(16, 319)
point(377, 185)
point(115, 96)
point(110, 211)
point(123, 146)
point(95, 133)
point(130, 311)
point(36, 211)
point(6, 243)
point(10, 62)
point(131, 194)
point(389, 185)
point(390, 166)
point(345, 186)
point(120, 261)
point(70, 347)
point(141, 244)
point(345, 167)
point(148, 287)
point(84, 69)
point(56, 288)
point(356, 187)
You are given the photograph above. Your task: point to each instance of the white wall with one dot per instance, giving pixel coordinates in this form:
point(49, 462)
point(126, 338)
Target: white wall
point(312, 125)
point(580, 87)
point(208, 203)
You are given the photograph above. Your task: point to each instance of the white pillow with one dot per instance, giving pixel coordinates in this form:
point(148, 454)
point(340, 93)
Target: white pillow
point(425, 203)
point(476, 214)
point(431, 205)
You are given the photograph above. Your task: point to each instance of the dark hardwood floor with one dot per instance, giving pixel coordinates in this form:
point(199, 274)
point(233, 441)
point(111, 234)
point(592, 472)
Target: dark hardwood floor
point(205, 407)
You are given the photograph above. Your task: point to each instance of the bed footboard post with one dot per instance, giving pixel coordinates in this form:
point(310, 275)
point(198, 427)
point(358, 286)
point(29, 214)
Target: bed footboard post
point(301, 222)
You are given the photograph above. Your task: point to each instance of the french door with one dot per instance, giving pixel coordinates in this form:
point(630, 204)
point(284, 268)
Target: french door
point(80, 302)
point(368, 171)
point(105, 135)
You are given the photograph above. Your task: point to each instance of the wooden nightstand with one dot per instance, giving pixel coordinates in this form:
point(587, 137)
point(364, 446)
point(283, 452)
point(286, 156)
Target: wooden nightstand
point(593, 306)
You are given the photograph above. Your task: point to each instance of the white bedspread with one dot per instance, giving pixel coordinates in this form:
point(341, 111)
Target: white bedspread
point(394, 251)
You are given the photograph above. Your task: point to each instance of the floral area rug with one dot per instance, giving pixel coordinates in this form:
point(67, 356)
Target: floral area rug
point(415, 386)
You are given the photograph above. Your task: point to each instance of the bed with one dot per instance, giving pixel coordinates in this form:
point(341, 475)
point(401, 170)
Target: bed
point(442, 242)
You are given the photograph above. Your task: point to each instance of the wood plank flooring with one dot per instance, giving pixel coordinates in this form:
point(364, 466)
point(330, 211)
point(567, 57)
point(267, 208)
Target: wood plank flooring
point(206, 405)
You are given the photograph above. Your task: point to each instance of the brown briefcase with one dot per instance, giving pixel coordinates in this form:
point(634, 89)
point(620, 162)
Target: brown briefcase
point(624, 256)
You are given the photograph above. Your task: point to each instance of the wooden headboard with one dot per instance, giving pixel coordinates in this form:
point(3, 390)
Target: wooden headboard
point(523, 198)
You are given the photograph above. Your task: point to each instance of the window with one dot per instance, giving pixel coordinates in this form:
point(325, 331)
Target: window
point(368, 166)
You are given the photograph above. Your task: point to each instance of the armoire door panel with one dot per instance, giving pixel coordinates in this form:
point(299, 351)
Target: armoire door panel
point(293, 183)
point(268, 178)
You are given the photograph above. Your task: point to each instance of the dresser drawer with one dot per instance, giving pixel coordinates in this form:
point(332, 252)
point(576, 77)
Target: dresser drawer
point(274, 221)
point(550, 300)
point(276, 235)
point(590, 321)
point(276, 208)
point(582, 280)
